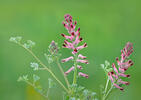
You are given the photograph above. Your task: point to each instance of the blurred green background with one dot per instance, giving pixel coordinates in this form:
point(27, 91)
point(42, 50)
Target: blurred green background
point(106, 25)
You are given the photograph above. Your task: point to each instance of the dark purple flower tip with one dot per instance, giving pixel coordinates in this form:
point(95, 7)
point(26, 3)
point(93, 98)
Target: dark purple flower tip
point(71, 26)
point(83, 75)
point(62, 35)
point(66, 73)
point(117, 58)
point(79, 29)
point(128, 76)
point(87, 76)
point(121, 89)
point(63, 61)
point(64, 24)
point(79, 34)
point(75, 50)
point(70, 20)
point(127, 83)
point(132, 64)
point(85, 44)
point(81, 39)
point(65, 41)
point(86, 62)
point(64, 45)
point(112, 72)
point(72, 33)
point(75, 23)
point(130, 61)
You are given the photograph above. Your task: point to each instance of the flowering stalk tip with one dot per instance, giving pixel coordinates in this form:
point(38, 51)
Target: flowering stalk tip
point(72, 40)
point(123, 64)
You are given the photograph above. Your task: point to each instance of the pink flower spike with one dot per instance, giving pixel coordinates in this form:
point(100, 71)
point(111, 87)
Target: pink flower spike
point(83, 75)
point(67, 72)
point(72, 42)
point(67, 59)
point(83, 61)
point(79, 67)
point(115, 69)
point(117, 86)
point(81, 47)
point(123, 75)
point(81, 56)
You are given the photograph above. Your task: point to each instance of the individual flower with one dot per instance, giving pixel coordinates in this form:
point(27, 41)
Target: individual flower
point(72, 40)
point(84, 75)
point(123, 64)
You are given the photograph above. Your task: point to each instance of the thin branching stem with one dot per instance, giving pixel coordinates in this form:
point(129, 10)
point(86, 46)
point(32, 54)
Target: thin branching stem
point(62, 71)
point(106, 86)
point(45, 67)
point(108, 93)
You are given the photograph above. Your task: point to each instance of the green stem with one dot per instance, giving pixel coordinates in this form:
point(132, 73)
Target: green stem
point(75, 74)
point(62, 71)
point(45, 67)
point(105, 90)
point(108, 93)
point(75, 70)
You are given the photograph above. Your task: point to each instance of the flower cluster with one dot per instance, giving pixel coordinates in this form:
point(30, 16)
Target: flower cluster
point(71, 42)
point(124, 64)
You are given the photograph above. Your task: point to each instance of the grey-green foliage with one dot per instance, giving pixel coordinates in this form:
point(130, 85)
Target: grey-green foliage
point(29, 44)
point(80, 93)
point(39, 89)
point(23, 78)
point(51, 83)
point(34, 65)
point(16, 39)
point(49, 58)
point(35, 78)
point(106, 67)
point(89, 95)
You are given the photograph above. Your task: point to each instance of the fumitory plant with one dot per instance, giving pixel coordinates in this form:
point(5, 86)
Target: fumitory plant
point(114, 73)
